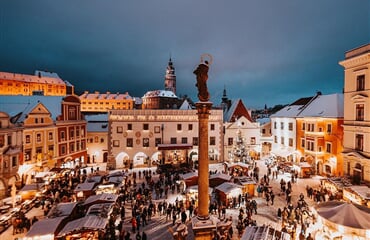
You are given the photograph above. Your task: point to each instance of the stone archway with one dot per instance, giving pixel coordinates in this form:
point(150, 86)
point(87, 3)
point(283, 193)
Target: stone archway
point(140, 159)
point(122, 160)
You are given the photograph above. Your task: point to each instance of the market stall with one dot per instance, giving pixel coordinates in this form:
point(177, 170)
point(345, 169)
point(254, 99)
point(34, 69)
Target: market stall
point(190, 179)
point(263, 233)
point(192, 194)
point(351, 221)
point(87, 228)
point(45, 229)
point(218, 179)
point(227, 191)
point(335, 186)
point(100, 198)
point(30, 191)
point(248, 185)
point(357, 194)
point(84, 190)
point(238, 168)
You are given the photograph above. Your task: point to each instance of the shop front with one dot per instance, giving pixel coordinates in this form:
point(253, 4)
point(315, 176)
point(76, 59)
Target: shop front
point(174, 154)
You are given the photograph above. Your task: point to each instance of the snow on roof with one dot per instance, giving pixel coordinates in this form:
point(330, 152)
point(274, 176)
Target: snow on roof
point(227, 187)
point(104, 197)
point(330, 106)
point(45, 227)
point(45, 78)
point(86, 186)
point(188, 175)
point(221, 176)
point(107, 95)
point(288, 111)
point(62, 209)
point(160, 93)
point(14, 105)
point(263, 121)
point(90, 222)
point(361, 190)
point(185, 105)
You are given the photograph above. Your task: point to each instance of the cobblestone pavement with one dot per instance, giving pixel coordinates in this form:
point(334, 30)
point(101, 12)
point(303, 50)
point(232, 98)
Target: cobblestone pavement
point(159, 228)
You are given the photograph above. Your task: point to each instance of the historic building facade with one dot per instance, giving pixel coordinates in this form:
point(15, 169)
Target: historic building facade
point(356, 139)
point(97, 138)
point(102, 102)
point(320, 134)
point(42, 83)
point(147, 137)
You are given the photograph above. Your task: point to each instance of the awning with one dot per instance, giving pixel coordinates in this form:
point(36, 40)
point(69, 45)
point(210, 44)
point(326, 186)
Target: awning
point(180, 146)
point(282, 152)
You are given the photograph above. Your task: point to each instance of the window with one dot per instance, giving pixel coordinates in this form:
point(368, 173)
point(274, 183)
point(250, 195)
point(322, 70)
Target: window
point(275, 124)
point(230, 141)
point(173, 140)
point(179, 127)
point(72, 113)
point(290, 126)
point(14, 161)
point(38, 137)
point(158, 141)
point(328, 147)
point(360, 83)
point(116, 143)
point(212, 141)
point(129, 126)
point(253, 140)
point(42, 120)
point(184, 140)
point(2, 141)
point(303, 142)
point(78, 146)
point(71, 134)
point(50, 136)
point(359, 144)
point(190, 127)
point(101, 140)
point(63, 149)
point(282, 126)
point(328, 128)
point(77, 132)
point(145, 142)
point(212, 127)
point(195, 141)
point(157, 129)
point(360, 112)
point(28, 139)
point(303, 126)
point(71, 147)
point(145, 126)
point(119, 129)
point(282, 140)
point(62, 135)
point(36, 120)
point(290, 142)
point(263, 131)
point(9, 139)
point(96, 139)
point(129, 142)
point(275, 139)
point(310, 145)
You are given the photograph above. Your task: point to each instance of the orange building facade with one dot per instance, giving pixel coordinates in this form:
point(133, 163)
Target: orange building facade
point(319, 141)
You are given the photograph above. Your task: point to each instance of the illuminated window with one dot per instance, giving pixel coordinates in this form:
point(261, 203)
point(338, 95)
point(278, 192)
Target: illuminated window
point(50, 136)
point(119, 129)
point(145, 142)
point(360, 112)
point(253, 140)
point(28, 138)
point(115, 143)
point(38, 137)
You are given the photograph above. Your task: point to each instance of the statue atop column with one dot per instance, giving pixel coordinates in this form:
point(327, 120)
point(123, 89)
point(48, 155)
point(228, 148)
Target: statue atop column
point(202, 76)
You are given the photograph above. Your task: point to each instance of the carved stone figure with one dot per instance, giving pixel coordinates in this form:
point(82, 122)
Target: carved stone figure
point(202, 76)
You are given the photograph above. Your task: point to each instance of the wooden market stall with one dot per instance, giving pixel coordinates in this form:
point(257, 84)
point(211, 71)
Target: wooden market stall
point(335, 186)
point(218, 179)
point(100, 198)
point(87, 228)
point(227, 191)
point(46, 229)
point(359, 194)
point(248, 185)
point(30, 191)
point(84, 190)
point(190, 178)
point(192, 195)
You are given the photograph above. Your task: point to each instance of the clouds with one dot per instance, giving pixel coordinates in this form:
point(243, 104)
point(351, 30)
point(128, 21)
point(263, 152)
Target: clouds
point(264, 51)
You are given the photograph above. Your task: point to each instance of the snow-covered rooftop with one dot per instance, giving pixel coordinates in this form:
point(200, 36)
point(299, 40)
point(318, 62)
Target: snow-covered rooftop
point(330, 106)
point(160, 93)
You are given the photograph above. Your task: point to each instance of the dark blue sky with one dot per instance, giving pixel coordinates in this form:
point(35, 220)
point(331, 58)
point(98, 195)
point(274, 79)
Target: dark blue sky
point(265, 52)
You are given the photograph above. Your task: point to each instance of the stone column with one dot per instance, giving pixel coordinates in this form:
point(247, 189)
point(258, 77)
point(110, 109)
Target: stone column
point(203, 225)
point(203, 111)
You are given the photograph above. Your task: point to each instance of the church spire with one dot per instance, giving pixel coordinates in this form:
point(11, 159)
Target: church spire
point(170, 77)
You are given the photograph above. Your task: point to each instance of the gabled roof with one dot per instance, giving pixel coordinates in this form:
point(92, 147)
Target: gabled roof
point(293, 109)
point(90, 222)
point(22, 105)
point(236, 110)
point(44, 77)
point(330, 106)
point(185, 105)
point(45, 227)
point(101, 198)
point(108, 95)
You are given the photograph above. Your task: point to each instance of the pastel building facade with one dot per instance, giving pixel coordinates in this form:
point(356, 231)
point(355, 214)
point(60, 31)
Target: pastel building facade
point(147, 137)
point(356, 127)
point(102, 102)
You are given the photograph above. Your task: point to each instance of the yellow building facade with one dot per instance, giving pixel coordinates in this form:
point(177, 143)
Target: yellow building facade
point(102, 102)
point(42, 83)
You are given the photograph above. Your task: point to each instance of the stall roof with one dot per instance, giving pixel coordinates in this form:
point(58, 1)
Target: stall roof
point(238, 164)
point(45, 227)
point(91, 223)
point(101, 198)
point(43, 174)
point(220, 176)
point(174, 146)
point(227, 187)
point(188, 175)
point(101, 209)
point(245, 180)
point(362, 190)
point(62, 209)
point(86, 186)
point(195, 189)
point(345, 214)
point(262, 233)
point(32, 187)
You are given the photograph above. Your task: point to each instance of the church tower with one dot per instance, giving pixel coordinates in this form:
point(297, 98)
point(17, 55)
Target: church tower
point(170, 78)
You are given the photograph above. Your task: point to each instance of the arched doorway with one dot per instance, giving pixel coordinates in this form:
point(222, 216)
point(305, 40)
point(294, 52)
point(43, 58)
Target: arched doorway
point(105, 157)
point(357, 174)
point(140, 158)
point(122, 160)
